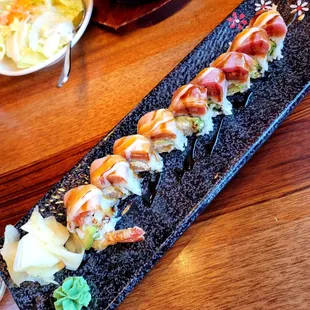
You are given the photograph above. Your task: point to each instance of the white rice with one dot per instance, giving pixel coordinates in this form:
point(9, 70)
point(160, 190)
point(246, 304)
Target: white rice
point(180, 141)
point(226, 107)
point(277, 53)
point(263, 63)
point(156, 163)
point(208, 121)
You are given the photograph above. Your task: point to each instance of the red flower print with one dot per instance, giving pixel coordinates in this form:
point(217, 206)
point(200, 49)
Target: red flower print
point(236, 21)
point(300, 8)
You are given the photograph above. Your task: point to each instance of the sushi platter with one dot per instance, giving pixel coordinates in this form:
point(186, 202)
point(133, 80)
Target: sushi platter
point(117, 212)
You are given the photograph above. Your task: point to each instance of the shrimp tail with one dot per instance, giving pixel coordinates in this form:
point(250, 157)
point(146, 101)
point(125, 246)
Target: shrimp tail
point(134, 234)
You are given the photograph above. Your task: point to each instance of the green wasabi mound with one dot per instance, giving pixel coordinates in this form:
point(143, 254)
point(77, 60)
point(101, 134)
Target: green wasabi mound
point(73, 294)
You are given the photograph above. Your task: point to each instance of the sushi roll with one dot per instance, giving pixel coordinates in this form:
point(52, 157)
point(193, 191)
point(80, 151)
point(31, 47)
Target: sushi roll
point(254, 42)
point(190, 108)
point(214, 80)
point(237, 68)
point(162, 129)
point(113, 175)
point(90, 218)
point(139, 152)
point(272, 22)
point(89, 214)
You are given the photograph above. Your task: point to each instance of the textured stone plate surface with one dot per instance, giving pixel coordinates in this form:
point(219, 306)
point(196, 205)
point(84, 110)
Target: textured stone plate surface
point(113, 273)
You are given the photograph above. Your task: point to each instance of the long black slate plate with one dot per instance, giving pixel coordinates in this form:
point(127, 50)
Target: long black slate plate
point(113, 273)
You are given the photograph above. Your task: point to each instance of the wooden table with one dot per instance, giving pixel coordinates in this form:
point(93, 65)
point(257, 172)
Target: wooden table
point(249, 250)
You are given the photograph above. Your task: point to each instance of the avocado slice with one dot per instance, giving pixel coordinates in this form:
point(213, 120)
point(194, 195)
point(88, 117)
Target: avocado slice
point(197, 124)
point(190, 124)
point(273, 46)
point(88, 239)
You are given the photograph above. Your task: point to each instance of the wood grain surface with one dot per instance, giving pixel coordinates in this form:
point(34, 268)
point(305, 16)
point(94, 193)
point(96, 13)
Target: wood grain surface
point(249, 250)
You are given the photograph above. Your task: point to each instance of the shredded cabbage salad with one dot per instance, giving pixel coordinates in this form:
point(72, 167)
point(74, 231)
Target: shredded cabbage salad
point(31, 31)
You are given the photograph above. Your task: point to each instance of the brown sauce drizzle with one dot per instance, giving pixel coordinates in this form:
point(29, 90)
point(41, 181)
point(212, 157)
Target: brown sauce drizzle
point(190, 156)
point(149, 195)
point(85, 194)
point(211, 146)
point(189, 160)
point(266, 76)
point(243, 102)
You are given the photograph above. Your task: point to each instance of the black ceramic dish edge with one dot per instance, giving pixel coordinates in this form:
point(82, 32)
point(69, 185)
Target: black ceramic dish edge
point(202, 206)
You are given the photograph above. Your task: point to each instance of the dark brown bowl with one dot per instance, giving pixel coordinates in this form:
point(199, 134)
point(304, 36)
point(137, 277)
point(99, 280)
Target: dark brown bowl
point(134, 2)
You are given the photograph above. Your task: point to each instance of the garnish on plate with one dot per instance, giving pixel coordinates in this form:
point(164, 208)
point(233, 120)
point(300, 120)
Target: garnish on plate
point(32, 31)
point(73, 294)
point(38, 255)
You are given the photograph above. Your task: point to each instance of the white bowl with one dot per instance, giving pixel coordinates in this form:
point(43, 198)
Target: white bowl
point(8, 67)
